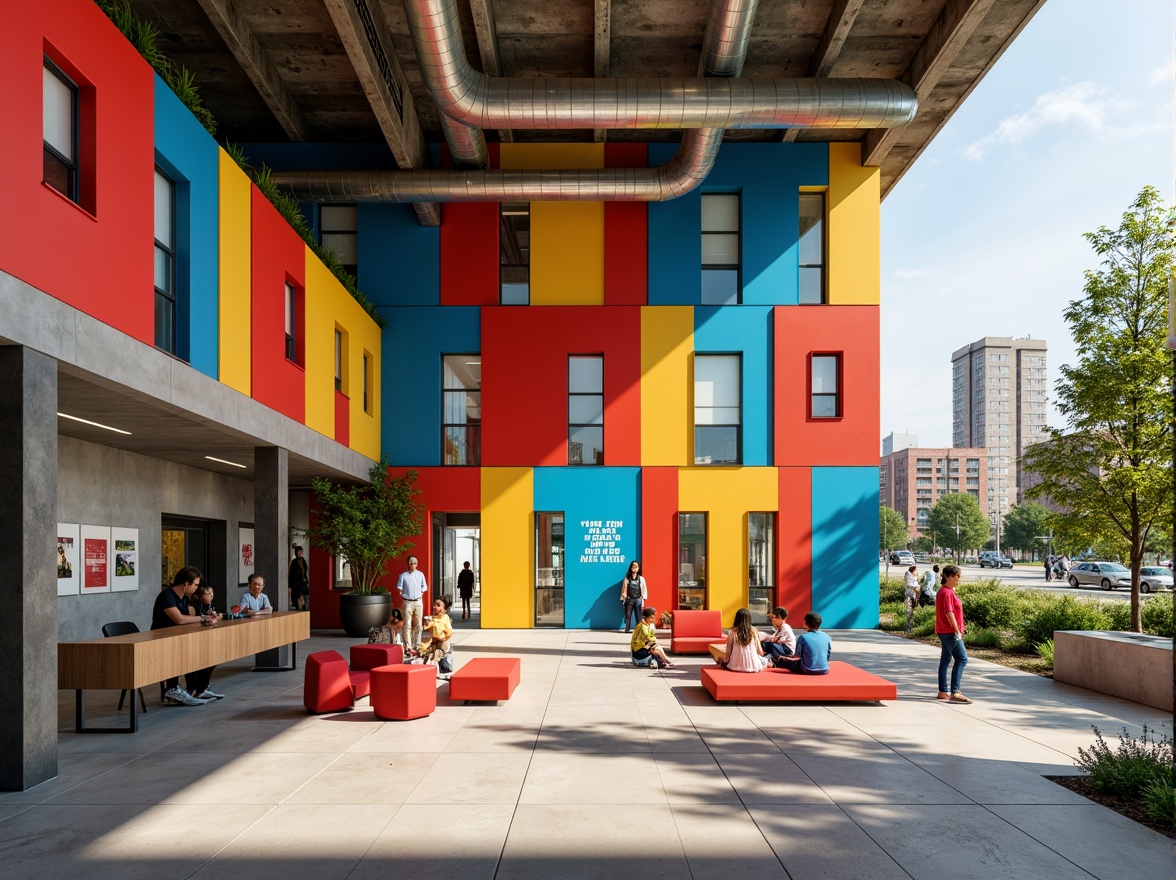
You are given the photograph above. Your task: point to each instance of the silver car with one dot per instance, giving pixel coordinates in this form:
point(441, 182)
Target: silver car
point(1154, 578)
point(1107, 575)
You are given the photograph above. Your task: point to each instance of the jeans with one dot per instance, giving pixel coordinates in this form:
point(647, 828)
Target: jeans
point(635, 606)
point(951, 647)
point(776, 649)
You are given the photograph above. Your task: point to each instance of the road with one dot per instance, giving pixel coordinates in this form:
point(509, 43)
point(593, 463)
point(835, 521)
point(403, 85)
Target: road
point(1023, 578)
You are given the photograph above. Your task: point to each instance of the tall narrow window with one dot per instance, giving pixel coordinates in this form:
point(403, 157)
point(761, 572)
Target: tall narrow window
point(60, 124)
point(369, 382)
point(340, 358)
point(691, 561)
point(825, 378)
point(812, 248)
point(514, 271)
point(549, 569)
point(291, 322)
point(337, 231)
point(720, 249)
point(165, 263)
point(716, 409)
point(586, 409)
point(461, 409)
point(761, 565)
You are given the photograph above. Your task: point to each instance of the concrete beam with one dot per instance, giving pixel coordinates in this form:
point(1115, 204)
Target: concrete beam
point(833, 39)
point(239, 37)
point(484, 27)
point(951, 31)
point(602, 45)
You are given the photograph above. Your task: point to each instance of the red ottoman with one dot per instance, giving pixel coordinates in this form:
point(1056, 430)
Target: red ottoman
point(401, 692)
point(365, 658)
point(486, 678)
point(327, 683)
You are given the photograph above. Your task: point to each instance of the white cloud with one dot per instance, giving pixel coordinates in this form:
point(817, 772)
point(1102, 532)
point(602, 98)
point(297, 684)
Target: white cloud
point(907, 274)
point(1083, 104)
point(1163, 74)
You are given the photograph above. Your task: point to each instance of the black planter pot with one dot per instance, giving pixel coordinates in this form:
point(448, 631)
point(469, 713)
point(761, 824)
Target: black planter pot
point(359, 613)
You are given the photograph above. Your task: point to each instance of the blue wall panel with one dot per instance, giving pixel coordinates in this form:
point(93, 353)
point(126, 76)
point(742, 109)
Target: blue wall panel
point(188, 155)
point(747, 330)
point(845, 546)
point(412, 346)
point(592, 574)
point(675, 243)
point(399, 260)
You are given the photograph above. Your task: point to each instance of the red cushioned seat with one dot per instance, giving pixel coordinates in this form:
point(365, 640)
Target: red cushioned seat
point(486, 678)
point(845, 682)
point(327, 683)
point(691, 632)
point(365, 658)
point(361, 684)
point(400, 693)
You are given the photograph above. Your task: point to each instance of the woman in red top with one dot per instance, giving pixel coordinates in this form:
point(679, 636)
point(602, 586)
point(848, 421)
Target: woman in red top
point(949, 626)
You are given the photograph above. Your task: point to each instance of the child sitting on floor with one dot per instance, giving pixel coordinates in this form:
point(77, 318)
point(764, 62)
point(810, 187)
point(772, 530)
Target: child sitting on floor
point(744, 652)
point(644, 644)
point(438, 630)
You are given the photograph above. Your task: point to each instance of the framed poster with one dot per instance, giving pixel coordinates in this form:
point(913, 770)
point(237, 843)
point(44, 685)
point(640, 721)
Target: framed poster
point(126, 560)
point(95, 559)
point(245, 557)
point(69, 572)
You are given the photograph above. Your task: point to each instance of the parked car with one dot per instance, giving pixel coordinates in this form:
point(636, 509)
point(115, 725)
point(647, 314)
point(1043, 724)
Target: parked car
point(1107, 575)
point(902, 557)
point(1152, 578)
point(992, 559)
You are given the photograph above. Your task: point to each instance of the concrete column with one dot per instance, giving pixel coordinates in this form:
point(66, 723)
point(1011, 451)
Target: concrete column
point(28, 580)
point(271, 533)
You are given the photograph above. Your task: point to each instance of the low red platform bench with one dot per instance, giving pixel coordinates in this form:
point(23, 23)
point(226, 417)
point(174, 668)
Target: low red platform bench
point(844, 682)
point(486, 678)
point(691, 632)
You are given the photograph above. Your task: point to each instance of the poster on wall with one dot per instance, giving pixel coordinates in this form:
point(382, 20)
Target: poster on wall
point(245, 557)
point(126, 560)
point(69, 572)
point(95, 559)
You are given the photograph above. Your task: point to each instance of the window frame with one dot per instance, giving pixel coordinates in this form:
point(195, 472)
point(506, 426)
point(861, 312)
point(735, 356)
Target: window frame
point(72, 166)
point(838, 395)
point(351, 269)
point(369, 378)
point(586, 394)
point(823, 265)
point(695, 585)
point(473, 457)
point(504, 235)
point(170, 297)
point(558, 572)
point(290, 304)
point(770, 539)
point(738, 358)
point(737, 267)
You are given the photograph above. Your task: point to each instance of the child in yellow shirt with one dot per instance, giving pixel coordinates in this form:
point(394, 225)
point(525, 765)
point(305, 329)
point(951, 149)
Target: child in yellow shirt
point(437, 632)
point(644, 642)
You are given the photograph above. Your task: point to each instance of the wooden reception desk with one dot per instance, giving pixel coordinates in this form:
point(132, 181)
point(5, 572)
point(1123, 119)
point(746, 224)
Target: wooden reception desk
point(141, 659)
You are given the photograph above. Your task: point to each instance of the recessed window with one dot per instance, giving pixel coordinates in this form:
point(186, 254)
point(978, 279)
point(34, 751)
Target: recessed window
point(60, 122)
point(341, 340)
point(514, 250)
point(291, 322)
point(761, 566)
point(549, 569)
point(461, 409)
point(369, 381)
point(717, 416)
point(720, 249)
point(812, 248)
point(338, 225)
point(825, 381)
point(691, 561)
point(586, 409)
point(165, 263)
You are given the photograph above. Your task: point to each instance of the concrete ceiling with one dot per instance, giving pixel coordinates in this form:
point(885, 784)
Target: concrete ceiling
point(277, 72)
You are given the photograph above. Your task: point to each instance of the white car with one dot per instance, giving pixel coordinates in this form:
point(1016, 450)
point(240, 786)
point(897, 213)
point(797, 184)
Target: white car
point(1107, 575)
point(1152, 578)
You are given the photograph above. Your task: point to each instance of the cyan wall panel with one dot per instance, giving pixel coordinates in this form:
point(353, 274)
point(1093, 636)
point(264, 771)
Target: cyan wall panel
point(769, 178)
point(602, 531)
point(845, 546)
point(746, 330)
point(412, 346)
point(399, 260)
point(188, 155)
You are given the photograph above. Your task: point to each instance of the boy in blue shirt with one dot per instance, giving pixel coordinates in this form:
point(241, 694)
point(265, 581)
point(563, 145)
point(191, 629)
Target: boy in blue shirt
point(813, 650)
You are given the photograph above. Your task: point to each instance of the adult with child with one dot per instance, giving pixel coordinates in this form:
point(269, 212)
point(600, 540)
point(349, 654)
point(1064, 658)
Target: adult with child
point(173, 607)
point(743, 653)
point(256, 603)
point(927, 587)
point(781, 641)
point(465, 589)
point(633, 594)
point(643, 644)
point(813, 650)
point(949, 626)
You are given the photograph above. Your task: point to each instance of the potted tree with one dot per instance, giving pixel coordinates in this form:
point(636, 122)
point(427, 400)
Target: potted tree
point(369, 525)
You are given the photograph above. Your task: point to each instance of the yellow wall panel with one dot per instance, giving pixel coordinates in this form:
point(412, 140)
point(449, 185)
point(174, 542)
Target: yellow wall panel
point(567, 238)
point(365, 335)
point(727, 495)
point(667, 341)
point(235, 238)
point(322, 307)
point(508, 548)
point(854, 206)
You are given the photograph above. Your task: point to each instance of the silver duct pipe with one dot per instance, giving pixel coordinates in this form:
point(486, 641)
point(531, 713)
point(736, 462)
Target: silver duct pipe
point(724, 44)
point(474, 99)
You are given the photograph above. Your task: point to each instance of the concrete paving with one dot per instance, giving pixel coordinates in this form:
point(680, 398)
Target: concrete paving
point(593, 769)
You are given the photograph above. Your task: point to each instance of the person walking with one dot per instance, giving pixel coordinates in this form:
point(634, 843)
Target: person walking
point(1049, 562)
point(465, 589)
point(299, 581)
point(412, 588)
point(949, 626)
point(633, 594)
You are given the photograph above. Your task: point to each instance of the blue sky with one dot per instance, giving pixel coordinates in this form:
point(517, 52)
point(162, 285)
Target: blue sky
point(983, 235)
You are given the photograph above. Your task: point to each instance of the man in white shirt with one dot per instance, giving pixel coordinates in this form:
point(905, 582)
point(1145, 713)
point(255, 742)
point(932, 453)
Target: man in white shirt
point(412, 587)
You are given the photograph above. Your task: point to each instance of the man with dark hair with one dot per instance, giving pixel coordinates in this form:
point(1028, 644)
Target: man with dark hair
point(465, 589)
point(813, 650)
point(299, 581)
point(173, 607)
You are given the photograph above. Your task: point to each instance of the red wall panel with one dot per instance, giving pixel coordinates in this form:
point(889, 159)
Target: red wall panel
point(279, 255)
point(852, 438)
point(659, 535)
point(342, 419)
point(469, 247)
point(626, 235)
point(98, 260)
point(794, 544)
point(525, 381)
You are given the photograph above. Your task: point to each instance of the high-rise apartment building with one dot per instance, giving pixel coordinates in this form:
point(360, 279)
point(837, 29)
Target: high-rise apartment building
point(998, 403)
point(911, 480)
point(894, 441)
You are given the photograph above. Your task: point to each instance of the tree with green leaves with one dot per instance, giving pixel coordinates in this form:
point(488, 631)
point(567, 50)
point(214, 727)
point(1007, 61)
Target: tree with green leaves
point(892, 533)
point(1111, 469)
point(958, 522)
point(1024, 525)
point(368, 524)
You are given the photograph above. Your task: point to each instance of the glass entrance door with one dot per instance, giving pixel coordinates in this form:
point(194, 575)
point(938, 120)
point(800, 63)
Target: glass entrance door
point(549, 569)
point(761, 566)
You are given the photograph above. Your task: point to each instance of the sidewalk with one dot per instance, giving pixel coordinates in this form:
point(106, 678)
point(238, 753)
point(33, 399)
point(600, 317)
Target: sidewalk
point(594, 769)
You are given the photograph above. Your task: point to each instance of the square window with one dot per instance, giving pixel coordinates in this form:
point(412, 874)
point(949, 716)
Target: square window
point(717, 409)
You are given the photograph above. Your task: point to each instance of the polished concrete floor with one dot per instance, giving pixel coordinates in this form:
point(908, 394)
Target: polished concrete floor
point(593, 769)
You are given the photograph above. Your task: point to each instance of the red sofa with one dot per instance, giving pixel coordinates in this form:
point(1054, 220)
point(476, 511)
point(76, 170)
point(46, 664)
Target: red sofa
point(845, 682)
point(329, 684)
point(691, 632)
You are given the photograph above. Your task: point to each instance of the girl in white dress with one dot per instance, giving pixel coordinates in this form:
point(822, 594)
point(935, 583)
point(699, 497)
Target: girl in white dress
point(744, 652)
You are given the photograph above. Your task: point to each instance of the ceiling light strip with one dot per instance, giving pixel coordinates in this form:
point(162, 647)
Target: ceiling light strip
point(95, 424)
point(222, 461)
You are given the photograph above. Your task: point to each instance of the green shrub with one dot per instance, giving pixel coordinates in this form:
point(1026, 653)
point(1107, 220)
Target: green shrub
point(1045, 650)
point(1118, 614)
point(1157, 616)
point(999, 608)
point(1132, 767)
point(1062, 613)
point(1160, 797)
point(980, 637)
point(923, 623)
point(890, 590)
point(898, 610)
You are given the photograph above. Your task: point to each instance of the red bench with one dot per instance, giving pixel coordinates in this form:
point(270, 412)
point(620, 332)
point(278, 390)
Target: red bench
point(691, 632)
point(330, 685)
point(844, 682)
point(486, 678)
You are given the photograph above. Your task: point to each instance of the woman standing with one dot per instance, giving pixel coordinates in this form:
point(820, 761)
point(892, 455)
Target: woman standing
point(949, 626)
point(633, 594)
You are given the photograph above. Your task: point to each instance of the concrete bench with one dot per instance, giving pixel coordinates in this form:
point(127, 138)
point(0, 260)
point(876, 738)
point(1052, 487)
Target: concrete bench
point(1133, 666)
point(486, 678)
point(844, 683)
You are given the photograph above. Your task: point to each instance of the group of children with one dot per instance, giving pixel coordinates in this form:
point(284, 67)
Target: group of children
point(436, 633)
